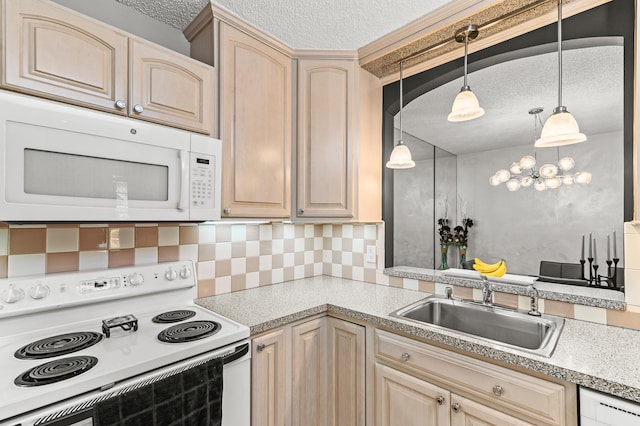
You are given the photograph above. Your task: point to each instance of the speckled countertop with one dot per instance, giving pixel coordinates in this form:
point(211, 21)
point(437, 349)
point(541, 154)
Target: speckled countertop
point(601, 357)
point(589, 296)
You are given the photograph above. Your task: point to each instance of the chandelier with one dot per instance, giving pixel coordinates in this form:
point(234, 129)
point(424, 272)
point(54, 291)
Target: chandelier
point(526, 173)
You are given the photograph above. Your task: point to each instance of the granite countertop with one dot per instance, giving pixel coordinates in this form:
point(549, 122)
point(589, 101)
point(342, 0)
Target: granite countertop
point(589, 296)
point(593, 355)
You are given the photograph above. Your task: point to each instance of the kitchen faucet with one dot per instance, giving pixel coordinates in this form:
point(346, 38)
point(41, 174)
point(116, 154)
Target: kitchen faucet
point(534, 301)
point(487, 292)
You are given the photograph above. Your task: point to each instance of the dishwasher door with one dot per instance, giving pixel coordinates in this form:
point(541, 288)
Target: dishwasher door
point(598, 409)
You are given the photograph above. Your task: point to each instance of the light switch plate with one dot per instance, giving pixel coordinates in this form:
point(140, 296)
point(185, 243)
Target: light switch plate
point(370, 257)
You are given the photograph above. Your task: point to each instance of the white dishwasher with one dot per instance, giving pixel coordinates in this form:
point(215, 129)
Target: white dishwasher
point(598, 409)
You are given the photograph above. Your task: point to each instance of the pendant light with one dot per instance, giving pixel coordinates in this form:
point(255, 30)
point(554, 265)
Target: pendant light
point(400, 156)
point(560, 128)
point(465, 105)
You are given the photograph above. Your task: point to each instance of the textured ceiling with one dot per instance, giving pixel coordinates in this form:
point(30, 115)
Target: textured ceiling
point(303, 24)
point(592, 92)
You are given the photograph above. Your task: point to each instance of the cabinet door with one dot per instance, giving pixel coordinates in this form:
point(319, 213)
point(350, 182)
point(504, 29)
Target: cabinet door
point(269, 379)
point(346, 372)
point(255, 114)
point(465, 412)
point(405, 400)
point(309, 398)
point(53, 52)
point(169, 88)
point(326, 121)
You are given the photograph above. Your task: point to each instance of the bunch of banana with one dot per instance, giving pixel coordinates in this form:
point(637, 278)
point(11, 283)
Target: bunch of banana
point(497, 269)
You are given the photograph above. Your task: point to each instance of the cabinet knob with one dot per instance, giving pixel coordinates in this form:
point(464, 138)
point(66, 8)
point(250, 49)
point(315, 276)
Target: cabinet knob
point(300, 211)
point(260, 347)
point(405, 356)
point(120, 104)
point(497, 390)
point(440, 400)
point(226, 210)
point(456, 408)
point(138, 108)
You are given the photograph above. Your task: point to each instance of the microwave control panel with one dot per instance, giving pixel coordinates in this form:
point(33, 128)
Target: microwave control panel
point(202, 181)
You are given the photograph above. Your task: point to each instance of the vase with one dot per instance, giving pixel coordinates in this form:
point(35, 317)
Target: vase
point(443, 257)
point(462, 250)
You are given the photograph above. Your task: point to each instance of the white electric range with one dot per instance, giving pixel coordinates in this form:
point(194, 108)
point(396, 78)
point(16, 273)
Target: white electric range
point(69, 341)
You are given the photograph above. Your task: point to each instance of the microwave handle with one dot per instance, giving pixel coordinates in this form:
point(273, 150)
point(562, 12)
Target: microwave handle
point(183, 202)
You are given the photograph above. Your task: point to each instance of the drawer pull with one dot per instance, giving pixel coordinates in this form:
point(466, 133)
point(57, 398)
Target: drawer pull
point(497, 390)
point(405, 356)
point(260, 347)
point(440, 400)
point(456, 408)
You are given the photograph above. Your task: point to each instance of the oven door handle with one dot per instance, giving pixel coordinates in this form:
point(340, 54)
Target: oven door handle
point(240, 351)
point(183, 202)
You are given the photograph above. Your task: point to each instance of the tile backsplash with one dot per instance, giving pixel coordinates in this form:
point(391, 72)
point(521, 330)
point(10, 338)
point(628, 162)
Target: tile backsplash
point(232, 257)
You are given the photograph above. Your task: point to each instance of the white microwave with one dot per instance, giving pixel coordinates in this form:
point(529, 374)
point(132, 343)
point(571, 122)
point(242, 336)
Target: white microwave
point(61, 163)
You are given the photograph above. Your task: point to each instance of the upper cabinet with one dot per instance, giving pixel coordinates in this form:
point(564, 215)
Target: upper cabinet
point(339, 133)
point(54, 52)
point(326, 138)
point(255, 118)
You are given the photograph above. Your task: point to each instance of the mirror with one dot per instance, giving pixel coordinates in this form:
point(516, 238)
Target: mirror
point(526, 226)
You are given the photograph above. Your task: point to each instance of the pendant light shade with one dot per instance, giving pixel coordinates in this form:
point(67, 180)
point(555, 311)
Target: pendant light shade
point(400, 156)
point(560, 128)
point(465, 105)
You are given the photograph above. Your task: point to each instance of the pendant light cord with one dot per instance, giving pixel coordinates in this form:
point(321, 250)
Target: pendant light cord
point(401, 64)
point(559, 52)
point(466, 49)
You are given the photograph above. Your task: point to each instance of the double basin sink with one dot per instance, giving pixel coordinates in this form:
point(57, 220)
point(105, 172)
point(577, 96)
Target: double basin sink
point(496, 325)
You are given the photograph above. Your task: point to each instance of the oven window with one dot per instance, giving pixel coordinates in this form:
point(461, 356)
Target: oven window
point(62, 174)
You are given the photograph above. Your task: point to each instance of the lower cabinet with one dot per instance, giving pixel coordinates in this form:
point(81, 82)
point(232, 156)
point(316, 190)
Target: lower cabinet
point(416, 381)
point(309, 373)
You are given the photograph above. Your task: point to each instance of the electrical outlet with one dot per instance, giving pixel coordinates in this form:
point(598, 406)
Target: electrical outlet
point(370, 257)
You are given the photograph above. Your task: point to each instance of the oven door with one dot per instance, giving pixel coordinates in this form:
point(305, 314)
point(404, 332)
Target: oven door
point(63, 163)
point(79, 411)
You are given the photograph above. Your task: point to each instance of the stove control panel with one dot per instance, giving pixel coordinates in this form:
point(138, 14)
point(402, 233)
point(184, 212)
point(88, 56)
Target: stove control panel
point(40, 293)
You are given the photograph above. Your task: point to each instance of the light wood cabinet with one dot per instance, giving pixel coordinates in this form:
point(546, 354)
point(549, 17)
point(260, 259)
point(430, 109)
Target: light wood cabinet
point(339, 141)
point(255, 117)
point(57, 53)
point(506, 394)
point(309, 373)
point(308, 362)
point(269, 365)
point(346, 373)
point(402, 399)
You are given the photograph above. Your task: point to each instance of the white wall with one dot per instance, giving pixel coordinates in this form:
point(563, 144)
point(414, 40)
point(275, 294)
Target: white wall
point(527, 226)
point(131, 21)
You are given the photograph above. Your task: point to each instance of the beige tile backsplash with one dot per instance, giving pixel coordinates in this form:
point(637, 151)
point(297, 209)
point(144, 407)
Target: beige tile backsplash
point(233, 257)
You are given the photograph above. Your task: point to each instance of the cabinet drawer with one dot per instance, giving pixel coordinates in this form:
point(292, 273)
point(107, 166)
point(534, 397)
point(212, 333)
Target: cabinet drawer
point(518, 392)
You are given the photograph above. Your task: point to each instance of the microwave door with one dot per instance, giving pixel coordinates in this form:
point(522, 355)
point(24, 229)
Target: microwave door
point(62, 175)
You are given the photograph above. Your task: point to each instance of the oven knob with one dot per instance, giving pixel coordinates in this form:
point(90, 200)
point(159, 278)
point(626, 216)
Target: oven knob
point(171, 274)
point(136, 279)
point(185, 272)
point(12, 294)
point(39, 291)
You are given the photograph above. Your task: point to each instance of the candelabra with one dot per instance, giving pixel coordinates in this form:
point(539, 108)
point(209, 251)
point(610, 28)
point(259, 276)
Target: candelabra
point(610, 280)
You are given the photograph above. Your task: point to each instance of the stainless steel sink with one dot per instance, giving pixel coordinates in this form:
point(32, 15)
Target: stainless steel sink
point(498, 325)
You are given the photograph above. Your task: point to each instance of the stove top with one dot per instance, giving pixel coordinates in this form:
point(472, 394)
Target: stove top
point(56, 349)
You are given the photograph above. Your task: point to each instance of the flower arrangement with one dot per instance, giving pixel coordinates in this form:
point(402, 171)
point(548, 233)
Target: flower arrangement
point(458, 237)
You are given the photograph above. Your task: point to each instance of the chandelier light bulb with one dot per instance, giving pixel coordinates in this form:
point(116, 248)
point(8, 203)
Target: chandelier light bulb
point(548, 171)
point(526, 181)
point(503, 175)
point(527, 162)
point(494, 181)
point(553, 183)
point(583, 178)
point(539, 185)
point(515, 168)
point(513, 184)
point(566, 163)
point(567, 180)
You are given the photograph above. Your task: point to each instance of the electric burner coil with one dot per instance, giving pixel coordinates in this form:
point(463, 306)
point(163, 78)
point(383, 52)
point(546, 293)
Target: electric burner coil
point(62, 344)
